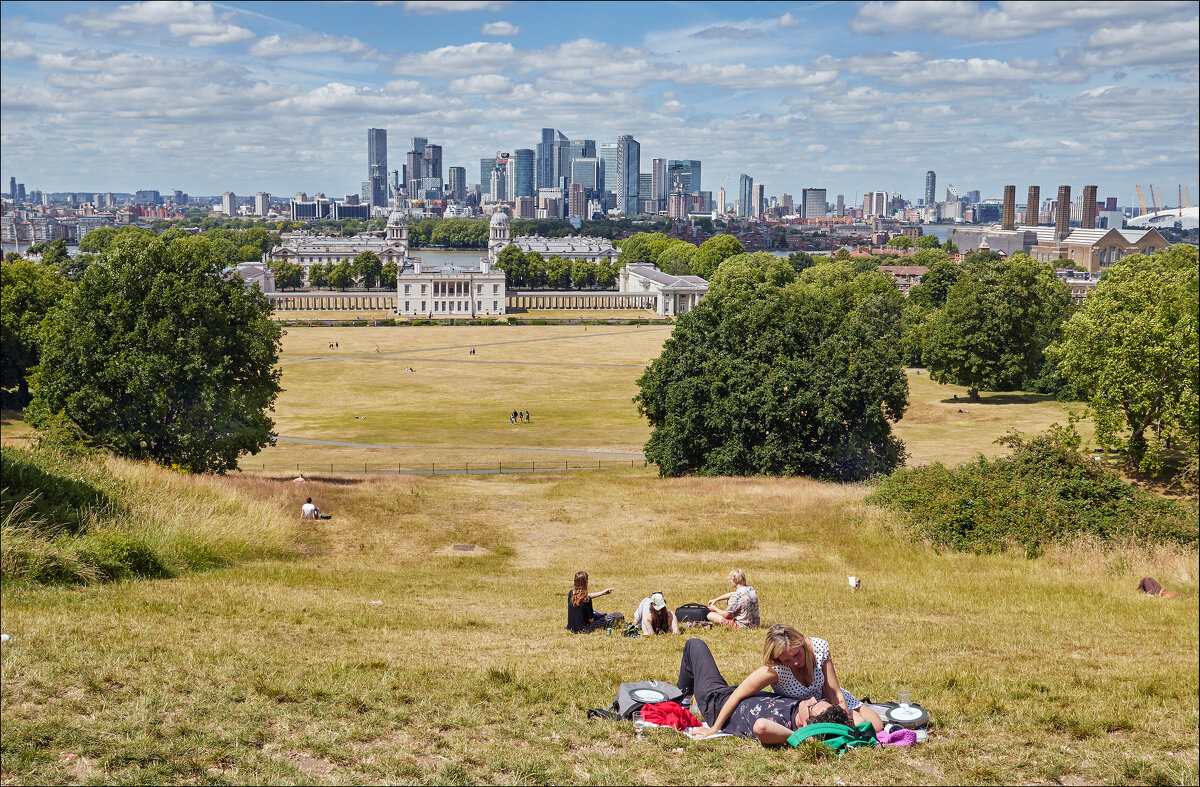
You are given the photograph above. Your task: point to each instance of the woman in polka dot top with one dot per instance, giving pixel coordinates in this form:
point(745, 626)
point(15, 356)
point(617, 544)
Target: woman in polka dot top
point(799, 667)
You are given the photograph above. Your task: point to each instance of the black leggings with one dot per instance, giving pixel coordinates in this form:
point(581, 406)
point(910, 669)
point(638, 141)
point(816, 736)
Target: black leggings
point(700, 677)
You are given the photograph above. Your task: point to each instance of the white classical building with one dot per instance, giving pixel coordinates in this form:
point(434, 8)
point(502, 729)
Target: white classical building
point(572, 247)
point(676, 294)
point(451, 291)
point(309, 250)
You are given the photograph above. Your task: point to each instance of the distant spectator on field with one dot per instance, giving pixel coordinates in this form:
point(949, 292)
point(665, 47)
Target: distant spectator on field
point(741, 611)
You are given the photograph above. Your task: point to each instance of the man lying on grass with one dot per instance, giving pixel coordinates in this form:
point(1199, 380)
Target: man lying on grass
point(767, 717)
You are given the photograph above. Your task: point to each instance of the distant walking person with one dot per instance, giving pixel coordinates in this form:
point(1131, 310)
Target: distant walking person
point(526, 416)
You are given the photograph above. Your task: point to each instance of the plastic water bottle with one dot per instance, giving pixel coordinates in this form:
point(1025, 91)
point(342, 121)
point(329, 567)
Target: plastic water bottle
point(608, 631)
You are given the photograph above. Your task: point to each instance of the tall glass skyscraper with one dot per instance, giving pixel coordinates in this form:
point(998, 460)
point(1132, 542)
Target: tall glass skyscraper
point(745, 195)
point(551, 158)
point(629, 165)
point(377, 165)
point(457, 183)
point(608, 173)
point(930, 188)
point(523, 175)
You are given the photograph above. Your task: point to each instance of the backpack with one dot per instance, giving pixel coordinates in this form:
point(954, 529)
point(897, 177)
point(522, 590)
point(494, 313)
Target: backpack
point(632, 696)
point(692, 613)
point(838, 737)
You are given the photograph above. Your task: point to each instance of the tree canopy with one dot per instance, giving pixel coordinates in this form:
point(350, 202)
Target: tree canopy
point(159, 358)
point(28, 290)
point(998, 319)
point(1133, 347)
point(710, 254)
point(778, 374)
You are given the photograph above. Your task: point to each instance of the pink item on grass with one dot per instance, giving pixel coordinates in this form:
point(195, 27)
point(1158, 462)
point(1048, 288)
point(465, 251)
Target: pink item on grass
point(897, 738)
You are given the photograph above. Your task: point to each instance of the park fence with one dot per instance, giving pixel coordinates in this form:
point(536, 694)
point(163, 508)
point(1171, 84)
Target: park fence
point(444, 468)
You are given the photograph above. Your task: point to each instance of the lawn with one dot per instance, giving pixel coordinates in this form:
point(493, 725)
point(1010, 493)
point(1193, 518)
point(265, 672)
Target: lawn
point(577, 382)
point(1054, 670)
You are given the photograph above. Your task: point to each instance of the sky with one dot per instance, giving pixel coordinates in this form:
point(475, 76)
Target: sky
point(851, 97)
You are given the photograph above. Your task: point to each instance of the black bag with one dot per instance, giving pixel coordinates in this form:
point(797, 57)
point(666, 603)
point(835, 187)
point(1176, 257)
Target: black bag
point(632, 696)
point(692, 613)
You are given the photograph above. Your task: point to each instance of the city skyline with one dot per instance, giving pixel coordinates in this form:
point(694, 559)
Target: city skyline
point(215, 98)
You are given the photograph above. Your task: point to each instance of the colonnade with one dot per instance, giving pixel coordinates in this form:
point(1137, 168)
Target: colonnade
point(582, 300)
point(330, 301)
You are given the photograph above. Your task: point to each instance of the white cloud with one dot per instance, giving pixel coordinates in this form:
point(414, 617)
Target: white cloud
point(274, 46)
point(480, 84)
point(1006, 20)
point(426, 7)
point(199, 23)
point(16, 50)
point(787, 20)
point(500, 28)
point(452, 61)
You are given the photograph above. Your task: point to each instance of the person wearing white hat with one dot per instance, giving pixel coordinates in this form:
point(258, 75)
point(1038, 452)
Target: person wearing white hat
point(653, 617)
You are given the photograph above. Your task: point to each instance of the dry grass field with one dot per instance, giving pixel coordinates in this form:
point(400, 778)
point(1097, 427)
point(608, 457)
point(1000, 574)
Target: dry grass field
point(283, 670)
point(1051, 671)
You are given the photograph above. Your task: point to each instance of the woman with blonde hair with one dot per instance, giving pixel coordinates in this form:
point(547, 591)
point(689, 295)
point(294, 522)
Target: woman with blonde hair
point(580, 616)
point(741, 611)
point(798, 667)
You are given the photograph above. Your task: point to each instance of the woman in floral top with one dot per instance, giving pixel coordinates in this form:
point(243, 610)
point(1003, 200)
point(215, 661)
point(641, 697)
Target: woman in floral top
point(741, 611)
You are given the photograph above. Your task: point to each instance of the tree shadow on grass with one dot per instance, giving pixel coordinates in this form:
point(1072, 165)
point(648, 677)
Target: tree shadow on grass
point(1003, 398)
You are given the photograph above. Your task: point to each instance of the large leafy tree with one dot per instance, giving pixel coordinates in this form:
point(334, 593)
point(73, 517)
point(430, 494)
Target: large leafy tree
point(28, 290)
point(998, 320)
point(676, 258)
point(1133, 347)
point(157, 356)
point(288, 275)
point(710, 254)
point(778, 374)
point(368, 268)
point(511, 260)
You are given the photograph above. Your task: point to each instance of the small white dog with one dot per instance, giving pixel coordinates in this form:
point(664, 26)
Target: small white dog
point(855, 582)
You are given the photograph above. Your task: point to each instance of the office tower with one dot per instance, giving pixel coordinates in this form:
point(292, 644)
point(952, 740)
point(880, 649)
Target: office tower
point(659, 186)
point(377, 164)
point(586, 172)
point(785, 202)
point(457, 183)
point(1033, 206)
point(685, 174)
point(417, 145)
point(745, 194)
point(608, 172)
point(498, 183)
point(721, 200)
point(12, 188)
point(545, 153)
point(395, 184)
point(431, 164)
point(262, 203)
point(645, 186)
point(550, 203)
point(569, 151)
point(952, 193)
point(930, 188)
point(486, 165)
point(523, 172)
point(760, 201)
point(1062, 213)
point(414, 163)
point(229, 204)
point(813, 203)
point(525, 208)
point(578, 202)
point(629, 163)
point(1008, 215)
point(841, 205)
point(1089, 208)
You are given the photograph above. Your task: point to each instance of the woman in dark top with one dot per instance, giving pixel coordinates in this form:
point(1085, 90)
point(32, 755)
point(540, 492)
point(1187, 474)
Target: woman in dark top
point(580, 616)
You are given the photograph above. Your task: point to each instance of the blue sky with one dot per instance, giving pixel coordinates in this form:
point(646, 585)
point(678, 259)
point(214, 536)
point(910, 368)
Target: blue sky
point(851, 97)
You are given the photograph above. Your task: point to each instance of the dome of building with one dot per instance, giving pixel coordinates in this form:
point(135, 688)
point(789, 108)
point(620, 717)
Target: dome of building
point(499, 218)
point(397, 218)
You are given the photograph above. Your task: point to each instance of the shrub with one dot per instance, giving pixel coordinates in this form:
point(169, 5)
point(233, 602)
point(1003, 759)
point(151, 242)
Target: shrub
point(1044, 491)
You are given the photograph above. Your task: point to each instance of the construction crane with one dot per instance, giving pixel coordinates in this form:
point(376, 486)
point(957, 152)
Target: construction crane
point(1180, 199)
point(1141, 199)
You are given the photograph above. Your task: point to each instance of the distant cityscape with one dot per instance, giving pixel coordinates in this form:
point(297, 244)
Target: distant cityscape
point(567, 179)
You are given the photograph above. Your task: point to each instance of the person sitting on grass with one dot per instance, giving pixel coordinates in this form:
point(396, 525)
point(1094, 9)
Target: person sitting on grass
point(742, 610)
point(580, 616)
point(766, 717)
point(797, 667)
point(308, 510)
point(653, 617)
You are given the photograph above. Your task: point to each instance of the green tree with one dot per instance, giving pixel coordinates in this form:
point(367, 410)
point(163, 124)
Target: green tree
point(950, 247)
point(511, 260)
point(28, 290)
point(842, 255)
point(927, 242)
point(801, 261)
point(1133, 347)
point(778, 374)
point(341, 275)
point(676, 258)
point(387, 278)
point(713, 252)
point(998, 320)
point(249, 253)
point(288, 275)
point(900, 242)
point(606, 276)
point(157, 356)
point(368, 268)
point(558, 273)
point(935, 284)
point(583, 274)
point(318, 275)
point(641, 248)
point(97, 240)
point(535, 270)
